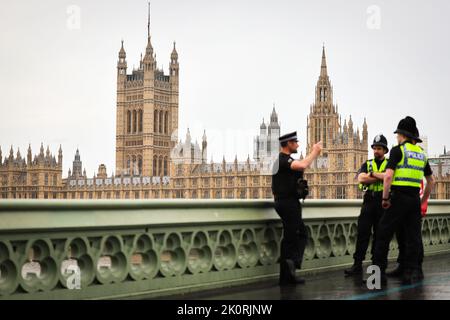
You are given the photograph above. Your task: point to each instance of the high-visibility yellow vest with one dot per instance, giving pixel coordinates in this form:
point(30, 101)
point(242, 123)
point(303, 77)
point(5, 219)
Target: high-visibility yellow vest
point(410, 170)
point(372, 167)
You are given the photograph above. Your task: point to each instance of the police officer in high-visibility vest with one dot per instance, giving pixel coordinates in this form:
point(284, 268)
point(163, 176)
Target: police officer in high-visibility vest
point(370, 178)
point(400, 235)
point(405, 170)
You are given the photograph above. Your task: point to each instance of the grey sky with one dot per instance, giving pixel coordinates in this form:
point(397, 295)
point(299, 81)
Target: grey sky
point(236, 58)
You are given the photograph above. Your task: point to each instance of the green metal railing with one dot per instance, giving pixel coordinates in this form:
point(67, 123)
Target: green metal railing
point(69, 249)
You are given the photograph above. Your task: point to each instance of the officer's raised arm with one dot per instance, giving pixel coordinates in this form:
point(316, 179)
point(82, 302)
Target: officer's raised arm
point(300, 165)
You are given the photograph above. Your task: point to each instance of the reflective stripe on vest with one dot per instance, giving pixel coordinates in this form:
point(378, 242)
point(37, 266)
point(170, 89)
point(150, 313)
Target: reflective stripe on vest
point(410, 170)
point(372, 166)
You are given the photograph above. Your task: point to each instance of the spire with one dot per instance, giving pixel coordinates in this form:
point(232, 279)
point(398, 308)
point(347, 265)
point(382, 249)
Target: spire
point(174, 54)
point(148, 22)
point(274, 119)
point(60, 155)
point(122, 53)
point(323, 67)
point(149, 49)
point(41, 153)
point(263, 125)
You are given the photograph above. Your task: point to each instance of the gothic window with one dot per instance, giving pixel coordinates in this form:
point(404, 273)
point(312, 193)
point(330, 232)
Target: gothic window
point(46, 179)
point(134, 164)
point(165, 166)
point(154, 166)
point(128, 121)
point(166, 122)
point(323, 193)
point(160, 166)
point(160, 120)
point(140, 120)
point(54, 179)
point(140, 165)
point(340, 161)
point(134, 121)
point(340, 192)
point(155, 121)
point(128, 165)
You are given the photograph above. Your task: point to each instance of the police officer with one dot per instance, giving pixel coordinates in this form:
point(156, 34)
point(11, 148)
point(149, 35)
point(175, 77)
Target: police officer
point(400, 235)
point(370, 180)
point(405, 170)
point(286, 172)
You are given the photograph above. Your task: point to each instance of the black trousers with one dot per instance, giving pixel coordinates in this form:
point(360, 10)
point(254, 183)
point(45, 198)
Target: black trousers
point(371, 213)
point(294, 231)
point(400, 235)
point(404, 213)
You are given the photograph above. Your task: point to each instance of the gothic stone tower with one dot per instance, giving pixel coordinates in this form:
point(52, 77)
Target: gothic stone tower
point(147, 114)
point(323, 120)
point(332, 175)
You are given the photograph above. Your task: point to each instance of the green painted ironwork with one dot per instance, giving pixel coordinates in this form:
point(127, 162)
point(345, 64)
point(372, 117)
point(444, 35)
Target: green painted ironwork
point(148, 248)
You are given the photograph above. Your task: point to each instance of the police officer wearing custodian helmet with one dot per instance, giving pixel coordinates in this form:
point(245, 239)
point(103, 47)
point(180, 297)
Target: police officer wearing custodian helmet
point(370, 180)
point(287, 173)
point(405, 170)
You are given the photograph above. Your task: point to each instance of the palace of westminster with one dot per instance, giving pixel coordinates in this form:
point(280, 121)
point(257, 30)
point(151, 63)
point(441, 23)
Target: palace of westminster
point(152, 163)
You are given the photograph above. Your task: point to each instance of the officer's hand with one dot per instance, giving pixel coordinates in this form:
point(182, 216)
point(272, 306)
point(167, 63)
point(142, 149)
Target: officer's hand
point(318, 147)
point(386, 204)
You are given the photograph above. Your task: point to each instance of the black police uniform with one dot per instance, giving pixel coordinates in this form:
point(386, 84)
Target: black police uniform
point(370, 215)
point(404, 213)
point(396, 155)
point(288, 207)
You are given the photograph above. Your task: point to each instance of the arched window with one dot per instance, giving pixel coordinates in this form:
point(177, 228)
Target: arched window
point(165, 166)
point(155, 121)
point(128, 165)
point(166, 122)
point(134, 121)
point(134, 165)
point(160, 166)
point(140, 165)
point(160, 122)
point(140, 120)
point(154, 166)
point(128, 121)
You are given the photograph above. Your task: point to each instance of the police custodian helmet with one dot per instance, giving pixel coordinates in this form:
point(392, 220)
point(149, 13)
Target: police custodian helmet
point(380, 141)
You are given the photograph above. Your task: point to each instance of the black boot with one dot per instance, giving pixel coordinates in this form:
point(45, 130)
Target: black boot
point(421, 275)
point(356, 269)
point(411, 276)
point(396, 273)
point(287, 273)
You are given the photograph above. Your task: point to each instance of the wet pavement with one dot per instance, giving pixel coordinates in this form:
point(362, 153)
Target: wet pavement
point(333, 285)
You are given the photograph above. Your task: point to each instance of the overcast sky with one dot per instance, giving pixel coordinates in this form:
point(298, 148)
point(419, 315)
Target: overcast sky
point(386, 60)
